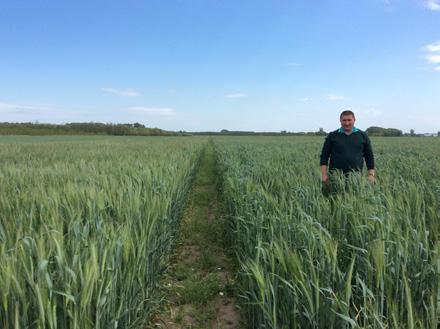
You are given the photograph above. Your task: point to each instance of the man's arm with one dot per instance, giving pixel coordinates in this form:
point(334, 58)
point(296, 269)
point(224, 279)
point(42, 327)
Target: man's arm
point(369, 159)
point(325, 154)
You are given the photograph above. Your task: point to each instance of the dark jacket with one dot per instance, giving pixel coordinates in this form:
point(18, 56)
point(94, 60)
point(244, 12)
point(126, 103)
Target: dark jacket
point(347, 152)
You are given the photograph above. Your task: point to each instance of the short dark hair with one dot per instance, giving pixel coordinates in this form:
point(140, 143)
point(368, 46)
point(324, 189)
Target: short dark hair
point(346, 112)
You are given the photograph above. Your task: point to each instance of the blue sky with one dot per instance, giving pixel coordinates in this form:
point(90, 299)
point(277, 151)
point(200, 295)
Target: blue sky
point(263, 65)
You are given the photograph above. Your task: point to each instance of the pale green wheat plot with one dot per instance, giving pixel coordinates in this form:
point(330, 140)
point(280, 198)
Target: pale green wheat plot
point(86, 226)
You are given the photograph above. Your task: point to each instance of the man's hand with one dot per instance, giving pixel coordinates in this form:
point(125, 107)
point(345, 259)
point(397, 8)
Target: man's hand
point(371, 176)
point(324, 174)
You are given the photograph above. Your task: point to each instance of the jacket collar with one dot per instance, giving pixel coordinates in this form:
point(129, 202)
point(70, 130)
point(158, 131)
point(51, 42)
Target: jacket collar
point(341, 130)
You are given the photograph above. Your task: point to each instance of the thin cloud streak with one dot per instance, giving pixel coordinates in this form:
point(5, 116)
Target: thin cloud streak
point(335, 98)
point(154, 111)
point(42, 112)
point(371, 112)
point(122, 92)
point(294, 64)
point(21, 108)
point(237, 95)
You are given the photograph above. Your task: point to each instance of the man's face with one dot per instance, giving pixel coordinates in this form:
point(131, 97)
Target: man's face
point(347, 122)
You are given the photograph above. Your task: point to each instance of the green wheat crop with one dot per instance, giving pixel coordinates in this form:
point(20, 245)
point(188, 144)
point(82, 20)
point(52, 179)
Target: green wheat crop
point(366, 257)
point(86, 226)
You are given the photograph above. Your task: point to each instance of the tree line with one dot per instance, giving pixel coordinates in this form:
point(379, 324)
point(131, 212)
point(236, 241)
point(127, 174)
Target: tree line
point(392, 132)
point(137, 129)
point(89, 128)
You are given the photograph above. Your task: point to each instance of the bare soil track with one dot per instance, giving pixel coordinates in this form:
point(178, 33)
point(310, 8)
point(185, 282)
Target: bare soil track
point(199, 286)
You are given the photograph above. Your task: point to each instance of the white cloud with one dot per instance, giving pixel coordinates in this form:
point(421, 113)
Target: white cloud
point(437, 68)
point(294, 64)
point(432, 55)
point(335, 98)
point(154, 111)
point(432, 4)
point(433, 47)
point(304, 99)
point(122, 92)
point(237, 95)
point(433, 59)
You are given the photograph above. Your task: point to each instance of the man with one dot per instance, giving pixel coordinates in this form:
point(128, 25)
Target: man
point(347, 148)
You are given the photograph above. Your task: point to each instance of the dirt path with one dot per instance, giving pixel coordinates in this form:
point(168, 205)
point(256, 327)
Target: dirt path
point(199, 286)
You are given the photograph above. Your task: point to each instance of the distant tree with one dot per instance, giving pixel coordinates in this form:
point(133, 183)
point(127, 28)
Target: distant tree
point(438, 133)
point(375, 131)
point(321, 132)
point(388, 132)
point(412, 132)
point(392, 132)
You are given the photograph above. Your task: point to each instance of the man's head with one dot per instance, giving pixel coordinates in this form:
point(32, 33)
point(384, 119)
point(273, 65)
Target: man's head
point(347, 119)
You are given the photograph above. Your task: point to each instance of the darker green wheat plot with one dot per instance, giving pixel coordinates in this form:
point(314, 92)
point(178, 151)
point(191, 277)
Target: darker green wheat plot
point(368, 257)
